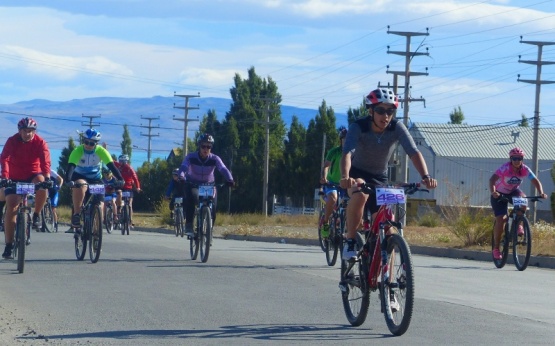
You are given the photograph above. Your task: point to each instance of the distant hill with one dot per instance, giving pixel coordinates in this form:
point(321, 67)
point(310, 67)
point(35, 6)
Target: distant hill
point(60, 120)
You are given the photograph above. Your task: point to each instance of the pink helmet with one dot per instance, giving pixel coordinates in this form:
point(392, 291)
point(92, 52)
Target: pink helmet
point(516, 152)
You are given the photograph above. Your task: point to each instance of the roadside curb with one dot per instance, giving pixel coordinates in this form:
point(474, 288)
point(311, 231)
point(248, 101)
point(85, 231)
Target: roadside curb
point(535, 261)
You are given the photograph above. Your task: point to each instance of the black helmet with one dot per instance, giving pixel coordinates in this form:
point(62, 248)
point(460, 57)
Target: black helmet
point(175, 171)
point(342, 132)
point(206, 138)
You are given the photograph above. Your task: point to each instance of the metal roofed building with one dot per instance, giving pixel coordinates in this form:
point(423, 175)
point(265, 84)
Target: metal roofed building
point(463, 157)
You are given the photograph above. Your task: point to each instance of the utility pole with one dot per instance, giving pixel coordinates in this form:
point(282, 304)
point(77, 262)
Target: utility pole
point(186, 118)
point(407, 73)
point(149, 134)
point(539, 63)
point(91, 124)
point(266, 109)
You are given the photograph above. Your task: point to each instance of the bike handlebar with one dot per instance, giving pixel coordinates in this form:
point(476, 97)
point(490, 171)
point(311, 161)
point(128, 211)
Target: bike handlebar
point(47, 184)
point(410, 188)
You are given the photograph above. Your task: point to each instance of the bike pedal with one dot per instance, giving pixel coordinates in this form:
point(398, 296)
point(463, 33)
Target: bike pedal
point(342, 287)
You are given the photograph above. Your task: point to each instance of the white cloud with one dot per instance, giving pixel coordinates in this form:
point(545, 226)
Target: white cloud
point(63, 67)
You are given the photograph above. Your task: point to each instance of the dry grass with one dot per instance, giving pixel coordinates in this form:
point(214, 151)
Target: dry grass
point(304, 226)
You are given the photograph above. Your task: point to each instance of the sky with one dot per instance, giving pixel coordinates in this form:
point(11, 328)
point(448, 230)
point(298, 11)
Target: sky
point(314, 50)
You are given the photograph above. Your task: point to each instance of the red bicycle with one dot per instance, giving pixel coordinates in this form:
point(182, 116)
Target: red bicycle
point(383, 263)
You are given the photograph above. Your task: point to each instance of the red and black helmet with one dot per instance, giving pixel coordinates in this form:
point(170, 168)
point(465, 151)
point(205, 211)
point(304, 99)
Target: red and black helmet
point(27, 123)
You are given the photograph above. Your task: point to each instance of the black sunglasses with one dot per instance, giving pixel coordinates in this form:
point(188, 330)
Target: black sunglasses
point(206, 146)
point(383, 111)
point(514, 158)
point(89, 143)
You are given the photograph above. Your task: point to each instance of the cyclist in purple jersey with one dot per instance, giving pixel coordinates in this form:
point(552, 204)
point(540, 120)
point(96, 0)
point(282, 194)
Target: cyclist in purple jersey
point(506, 181)
point(198, 167)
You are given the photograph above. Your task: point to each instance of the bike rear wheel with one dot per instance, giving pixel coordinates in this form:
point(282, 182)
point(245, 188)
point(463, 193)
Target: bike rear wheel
point(95, 230)
point(399, 287)
point(355, 293)
point(21, 233)
point(205, 233)
point(332, 246)
point(48, 218)
point(522, 245)
point(503, 246)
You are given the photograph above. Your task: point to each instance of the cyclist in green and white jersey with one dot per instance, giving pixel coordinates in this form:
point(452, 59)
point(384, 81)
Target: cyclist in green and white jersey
point(85, 165)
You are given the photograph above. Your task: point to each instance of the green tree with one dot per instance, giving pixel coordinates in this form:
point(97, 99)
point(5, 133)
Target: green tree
point(294, 166)
point(456, 116)
point(323, 123)
point(523, 121)
point(126, 143)
point(252, 98)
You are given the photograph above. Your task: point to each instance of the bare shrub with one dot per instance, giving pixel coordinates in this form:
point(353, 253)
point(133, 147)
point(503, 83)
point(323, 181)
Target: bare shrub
point(472, 225)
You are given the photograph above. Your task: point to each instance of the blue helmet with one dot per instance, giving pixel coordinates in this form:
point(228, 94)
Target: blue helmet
point(92, 134)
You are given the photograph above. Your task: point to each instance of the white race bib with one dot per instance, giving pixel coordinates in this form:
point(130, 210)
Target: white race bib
point(24, 188)
point(519, 201)
point(388, 195)
point(96, 189)
point(206, 190)
point(126, 193)
point(178, 200)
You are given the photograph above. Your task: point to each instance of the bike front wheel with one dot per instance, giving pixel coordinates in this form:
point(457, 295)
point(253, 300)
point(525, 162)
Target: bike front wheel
point(48, 218)
point(109, 220)
point(321, 222)
point(178, 222)
point(205, 233)
point(126, 219)
point(397, 292)
point(21, 233)
point(355, 293)
point(522, 244)
point(95, 230)
point(194, 240)
point(80, 241)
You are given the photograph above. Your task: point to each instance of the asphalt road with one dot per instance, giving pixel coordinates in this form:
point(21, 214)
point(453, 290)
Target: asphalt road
point(146, 291)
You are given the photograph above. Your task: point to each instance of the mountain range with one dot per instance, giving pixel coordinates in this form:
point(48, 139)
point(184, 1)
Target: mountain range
point(59, 120)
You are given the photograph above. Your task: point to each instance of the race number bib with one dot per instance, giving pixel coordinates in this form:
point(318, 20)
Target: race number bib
point(206, 191)
point(24, 188)
point(388, 195)
point(96, 189)
point(126, 193)
point(519, 201)
point(178, 200)
point(108, 198)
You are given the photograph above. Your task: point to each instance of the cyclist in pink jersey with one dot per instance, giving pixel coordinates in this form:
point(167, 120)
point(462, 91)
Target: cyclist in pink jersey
point(506, 181)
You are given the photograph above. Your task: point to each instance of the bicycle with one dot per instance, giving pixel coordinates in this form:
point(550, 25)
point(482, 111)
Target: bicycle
point(90, 229)
point(178, 218)
point(22, 236)
point(125, 217)
point(383, 262)
point(332, 243)
point(521, 244)
point(202, 238)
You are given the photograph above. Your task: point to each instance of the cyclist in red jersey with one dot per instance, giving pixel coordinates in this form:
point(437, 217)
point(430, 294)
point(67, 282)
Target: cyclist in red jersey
point(131, 182)
point(25, 158)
